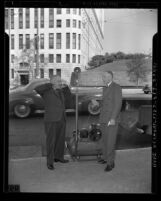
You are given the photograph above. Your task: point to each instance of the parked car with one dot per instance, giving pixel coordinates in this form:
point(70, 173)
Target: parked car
point(147, 89)
point(24, 100)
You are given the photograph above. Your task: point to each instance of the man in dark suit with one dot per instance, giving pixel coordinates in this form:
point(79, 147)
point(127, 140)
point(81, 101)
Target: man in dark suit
point(109, 119)
point(54, 119)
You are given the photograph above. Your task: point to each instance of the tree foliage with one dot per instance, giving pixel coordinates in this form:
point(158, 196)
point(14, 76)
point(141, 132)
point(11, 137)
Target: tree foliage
point(99, 60)
point(96, 61)
point(136, 69)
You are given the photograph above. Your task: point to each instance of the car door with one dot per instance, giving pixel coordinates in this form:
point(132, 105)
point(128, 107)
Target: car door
point(38, 100)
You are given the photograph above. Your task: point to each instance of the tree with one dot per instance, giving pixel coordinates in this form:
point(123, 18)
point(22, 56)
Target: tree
point(120, 55)
point(136, 69)
point(28, 55)
point(108, 58)
point(96, 61)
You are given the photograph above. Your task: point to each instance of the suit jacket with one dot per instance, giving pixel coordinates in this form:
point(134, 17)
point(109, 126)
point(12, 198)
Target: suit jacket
point(54, 102)
point(111, 103)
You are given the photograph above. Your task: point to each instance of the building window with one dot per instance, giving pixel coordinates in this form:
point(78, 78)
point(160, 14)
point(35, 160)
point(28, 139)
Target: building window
point(12, 73)
point(68, 11)
point(12, 18)
point(41, 73)
point(27, 41)
point(74, 58)
point(36, 17)
point(58, 72)
point(51, 72)
point(58, 41)
point(58, 58)
point(12, 41)
point(79, 24)
point(41, 58)
point(51, 40)
point(27, 18)
point(41, 41)
point(67, 58)
point(51, 17)
point(68, 23)
point(51, 58)
point(74, 41)
point(74, 11)
point(58, 23)
point(35, 41)
point(20, 41)
point(79, 11)
point(42, 18)
point(20, 18)
point(35, 72)
point(79, 41)
point(6, 18)
point(58, 11)
point(12, 58)
point(67, 40)
point(79, 59)
point(74, 23)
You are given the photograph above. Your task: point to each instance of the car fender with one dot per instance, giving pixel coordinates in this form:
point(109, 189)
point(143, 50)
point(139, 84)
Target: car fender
point(26, 101)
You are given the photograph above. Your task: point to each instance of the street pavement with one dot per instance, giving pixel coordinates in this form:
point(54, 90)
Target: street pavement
point(27, 167)
point(132, 174)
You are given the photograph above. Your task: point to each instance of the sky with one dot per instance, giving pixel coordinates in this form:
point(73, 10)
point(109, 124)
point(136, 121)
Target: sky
point(129, 30)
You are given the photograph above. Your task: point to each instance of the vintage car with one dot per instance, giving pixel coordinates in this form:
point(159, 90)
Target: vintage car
point(24, 100)
point(147, 89)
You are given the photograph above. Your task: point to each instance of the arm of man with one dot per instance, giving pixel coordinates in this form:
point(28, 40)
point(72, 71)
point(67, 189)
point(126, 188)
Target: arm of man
point(117, 102)
point(42, 88)
point(69, 97)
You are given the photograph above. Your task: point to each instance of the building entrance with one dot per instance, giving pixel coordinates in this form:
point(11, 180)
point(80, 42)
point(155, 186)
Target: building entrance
point(24, 79)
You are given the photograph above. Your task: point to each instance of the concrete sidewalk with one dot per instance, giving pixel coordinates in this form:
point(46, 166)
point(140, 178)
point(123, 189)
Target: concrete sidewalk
point(132, 174)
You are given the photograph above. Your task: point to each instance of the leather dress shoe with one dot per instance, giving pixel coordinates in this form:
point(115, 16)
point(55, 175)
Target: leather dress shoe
point(50, 167)
point(109, 167)
point(101, 161)
point(61, 160)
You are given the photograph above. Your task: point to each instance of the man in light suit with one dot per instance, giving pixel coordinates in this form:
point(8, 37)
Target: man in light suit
point(109, 119)
point(54, 119)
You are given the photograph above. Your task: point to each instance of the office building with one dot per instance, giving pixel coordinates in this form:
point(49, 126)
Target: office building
point(67, 38)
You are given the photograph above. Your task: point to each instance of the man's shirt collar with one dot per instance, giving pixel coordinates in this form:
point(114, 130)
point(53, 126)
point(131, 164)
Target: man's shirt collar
point(109, 84)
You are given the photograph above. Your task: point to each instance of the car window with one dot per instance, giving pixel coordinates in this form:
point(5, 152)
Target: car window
point(33, 84)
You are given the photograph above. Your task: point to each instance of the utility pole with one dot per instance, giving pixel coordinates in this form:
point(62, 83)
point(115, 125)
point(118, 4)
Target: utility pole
point(37, 52)
point(9, 31)
point(88, 40)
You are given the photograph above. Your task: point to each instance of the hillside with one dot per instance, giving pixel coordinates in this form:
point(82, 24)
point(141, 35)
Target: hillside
point(120, 75)
point(120, 65)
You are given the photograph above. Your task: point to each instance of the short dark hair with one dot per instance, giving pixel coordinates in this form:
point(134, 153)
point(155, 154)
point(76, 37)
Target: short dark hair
point(77, 69)
point(110, 72)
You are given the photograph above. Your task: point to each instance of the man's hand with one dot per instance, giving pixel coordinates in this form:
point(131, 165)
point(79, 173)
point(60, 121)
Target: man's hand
point(111, 122)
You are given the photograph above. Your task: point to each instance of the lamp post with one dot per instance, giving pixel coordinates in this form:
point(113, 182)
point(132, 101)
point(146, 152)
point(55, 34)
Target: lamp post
point(9, 33)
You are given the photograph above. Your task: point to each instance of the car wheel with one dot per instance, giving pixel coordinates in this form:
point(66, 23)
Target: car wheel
point(93, 110)
point(146, 92)
point(22, 110)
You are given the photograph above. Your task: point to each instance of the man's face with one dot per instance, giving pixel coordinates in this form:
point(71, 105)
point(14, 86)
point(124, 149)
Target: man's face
point(56, 81)
point(107, 78)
